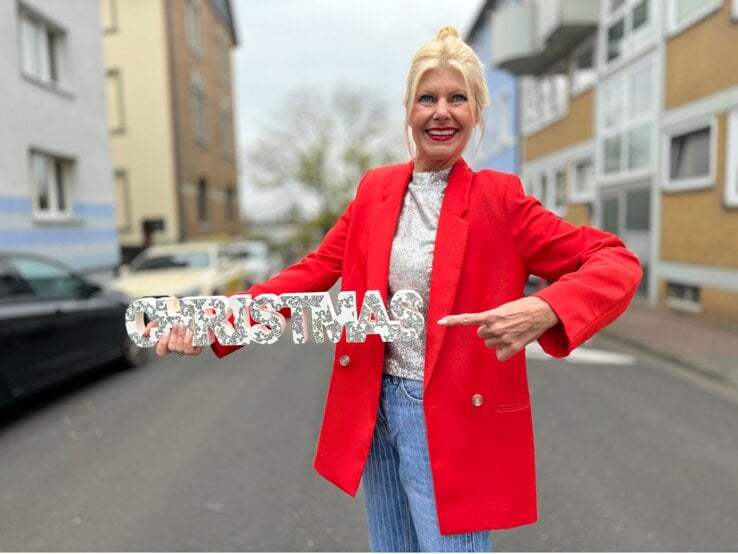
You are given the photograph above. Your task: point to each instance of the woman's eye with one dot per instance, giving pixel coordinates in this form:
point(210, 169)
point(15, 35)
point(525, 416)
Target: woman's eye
point(426, 99)
point(458, 98)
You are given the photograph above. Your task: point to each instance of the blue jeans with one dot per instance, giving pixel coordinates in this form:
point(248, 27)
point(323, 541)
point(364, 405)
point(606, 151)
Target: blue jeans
point(398, 485)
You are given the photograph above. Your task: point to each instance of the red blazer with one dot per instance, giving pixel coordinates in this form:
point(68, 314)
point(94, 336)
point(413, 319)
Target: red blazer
point(490, 238)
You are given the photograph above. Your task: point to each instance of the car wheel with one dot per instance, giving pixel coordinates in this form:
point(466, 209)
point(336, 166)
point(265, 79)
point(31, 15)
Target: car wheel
point(133, 356)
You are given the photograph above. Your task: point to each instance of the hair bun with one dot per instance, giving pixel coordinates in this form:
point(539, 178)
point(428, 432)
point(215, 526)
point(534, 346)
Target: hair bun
point(448, 31)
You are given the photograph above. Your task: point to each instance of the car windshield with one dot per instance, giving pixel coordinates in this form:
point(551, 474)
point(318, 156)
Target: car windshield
point(174, 261)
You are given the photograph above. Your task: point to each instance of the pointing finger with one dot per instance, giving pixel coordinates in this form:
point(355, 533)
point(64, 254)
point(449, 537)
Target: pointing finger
point(463, 319)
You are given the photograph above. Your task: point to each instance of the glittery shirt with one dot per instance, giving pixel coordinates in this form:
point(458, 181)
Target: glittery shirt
point(411, 260)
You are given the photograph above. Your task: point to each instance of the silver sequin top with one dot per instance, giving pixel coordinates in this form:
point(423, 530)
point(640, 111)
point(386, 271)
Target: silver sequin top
point(411, 260)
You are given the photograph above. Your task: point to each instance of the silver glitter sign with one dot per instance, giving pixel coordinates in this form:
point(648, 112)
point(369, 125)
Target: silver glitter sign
point(241, 319)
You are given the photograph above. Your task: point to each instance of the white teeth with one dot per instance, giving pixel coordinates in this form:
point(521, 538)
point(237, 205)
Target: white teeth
point(442, 133)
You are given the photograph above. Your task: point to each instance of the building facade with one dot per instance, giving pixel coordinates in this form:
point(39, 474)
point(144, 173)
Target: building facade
point(56, 192)
point(499, 148)
point(170, 101)
point(628, 122)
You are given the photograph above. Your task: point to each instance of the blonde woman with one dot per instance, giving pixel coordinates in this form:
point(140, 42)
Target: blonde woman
point(440, 429)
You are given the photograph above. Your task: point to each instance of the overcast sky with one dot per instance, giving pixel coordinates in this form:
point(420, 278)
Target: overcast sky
point(284, 44)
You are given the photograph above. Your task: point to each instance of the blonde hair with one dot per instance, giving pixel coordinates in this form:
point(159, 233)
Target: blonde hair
point(447, 50)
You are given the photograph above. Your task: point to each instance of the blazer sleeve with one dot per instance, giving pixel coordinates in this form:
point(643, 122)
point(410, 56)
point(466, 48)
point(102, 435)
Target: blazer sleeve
point(593, 275)
point(317, 272)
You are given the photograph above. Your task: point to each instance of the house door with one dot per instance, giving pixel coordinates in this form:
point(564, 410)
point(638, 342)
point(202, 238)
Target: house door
point(626, 212)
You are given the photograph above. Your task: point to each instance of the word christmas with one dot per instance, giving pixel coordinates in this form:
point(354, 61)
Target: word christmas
point(231, 318)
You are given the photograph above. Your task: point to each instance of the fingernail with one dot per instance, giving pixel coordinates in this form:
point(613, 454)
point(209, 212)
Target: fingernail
point(442, 321)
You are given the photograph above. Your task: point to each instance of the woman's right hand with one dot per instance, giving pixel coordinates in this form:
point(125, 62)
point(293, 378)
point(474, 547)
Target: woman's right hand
point(177, 340)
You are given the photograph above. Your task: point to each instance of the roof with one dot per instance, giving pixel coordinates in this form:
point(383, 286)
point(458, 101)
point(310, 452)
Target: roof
point(487, 6)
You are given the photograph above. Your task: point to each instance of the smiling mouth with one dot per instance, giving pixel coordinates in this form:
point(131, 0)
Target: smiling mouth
point(441, 135)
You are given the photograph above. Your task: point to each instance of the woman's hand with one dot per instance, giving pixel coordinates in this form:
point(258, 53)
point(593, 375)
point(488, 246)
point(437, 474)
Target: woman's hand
point(509, 327)
point(177, 340)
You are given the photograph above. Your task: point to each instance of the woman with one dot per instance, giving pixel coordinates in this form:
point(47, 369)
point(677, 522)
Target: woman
point(441, 429)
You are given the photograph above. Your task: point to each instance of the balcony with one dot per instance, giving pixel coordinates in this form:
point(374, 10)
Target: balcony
point(528, 37)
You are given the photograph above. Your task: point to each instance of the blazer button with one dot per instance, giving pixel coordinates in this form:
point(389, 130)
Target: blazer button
point(344, 360)
point(477, 400)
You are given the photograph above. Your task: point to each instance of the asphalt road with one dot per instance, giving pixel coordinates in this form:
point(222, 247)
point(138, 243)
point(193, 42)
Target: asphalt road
point(198, 454)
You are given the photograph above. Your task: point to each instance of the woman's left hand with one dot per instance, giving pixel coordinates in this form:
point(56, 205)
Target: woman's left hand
point(510, 327)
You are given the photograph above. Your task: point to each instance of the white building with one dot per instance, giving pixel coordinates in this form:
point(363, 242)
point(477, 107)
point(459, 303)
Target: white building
point(56, 191)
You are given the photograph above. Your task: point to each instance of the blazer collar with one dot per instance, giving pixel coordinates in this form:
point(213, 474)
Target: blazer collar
point(456, 198)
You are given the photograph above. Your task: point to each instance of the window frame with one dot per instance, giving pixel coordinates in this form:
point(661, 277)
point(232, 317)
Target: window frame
point(193, 26)
point(199, 110)
point(629, 50)
point(542, 104)
point(576, 196)
point(574, 88)
point(117, 76)
point(109, 8)
point(225, 124)
point(624, 79)
point(690, 183)
point(731, 159)
point(52, 213)
point(52, 70)
point(674, 27)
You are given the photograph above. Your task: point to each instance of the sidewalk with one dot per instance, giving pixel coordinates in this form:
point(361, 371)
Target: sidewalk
point(687, 339)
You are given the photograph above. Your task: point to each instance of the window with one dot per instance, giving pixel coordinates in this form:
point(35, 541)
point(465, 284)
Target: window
point(628, 25)
point(51, 186)
point(610, 215)
point(199, 111)
point(559, 192)
point(685, 13)
point(114, 90)
point(109, 16)
point(193, 26)
point(222, 54)
point(626, 121)
point(583, 71)
point(202, 201)
point(229, 207)
point(505, 128)
point(10, 285)
point(690, 156)
point(42, 47)
point(545, 99)
point(226, 131)
point(122, 200)
point(48, 280)
point(683, 297)
point(638, 209)
point(581, 174)
point(731, 162)
point(735, 9)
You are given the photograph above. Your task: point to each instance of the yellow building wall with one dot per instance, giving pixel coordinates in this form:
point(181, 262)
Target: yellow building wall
point(575, 128)
point(696, 228)
point(579, 214)
point(703, 59)
point(145, 150)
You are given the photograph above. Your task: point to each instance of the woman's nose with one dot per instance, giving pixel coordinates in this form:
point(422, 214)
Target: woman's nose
point(441, 109)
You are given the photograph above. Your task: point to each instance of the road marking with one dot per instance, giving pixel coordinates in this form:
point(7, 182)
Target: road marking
point(583, 355)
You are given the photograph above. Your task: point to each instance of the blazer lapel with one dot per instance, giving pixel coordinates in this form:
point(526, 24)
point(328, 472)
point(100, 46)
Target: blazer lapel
point(448, 258)
point(382, 230)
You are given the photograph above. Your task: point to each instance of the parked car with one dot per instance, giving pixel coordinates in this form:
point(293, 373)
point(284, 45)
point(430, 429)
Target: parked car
point(184, 269)
point(55, 324)
point(255, 257)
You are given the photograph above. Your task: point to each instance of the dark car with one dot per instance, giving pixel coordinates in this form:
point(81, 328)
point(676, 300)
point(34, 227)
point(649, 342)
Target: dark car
point(55, 324)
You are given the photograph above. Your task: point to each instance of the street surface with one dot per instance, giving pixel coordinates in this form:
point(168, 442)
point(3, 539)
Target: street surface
point(199, 454)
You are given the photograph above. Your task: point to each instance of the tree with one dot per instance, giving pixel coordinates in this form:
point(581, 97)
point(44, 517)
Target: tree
point(317, 149)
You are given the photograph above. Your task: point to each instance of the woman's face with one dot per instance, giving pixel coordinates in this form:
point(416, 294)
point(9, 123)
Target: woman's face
point(441, 119)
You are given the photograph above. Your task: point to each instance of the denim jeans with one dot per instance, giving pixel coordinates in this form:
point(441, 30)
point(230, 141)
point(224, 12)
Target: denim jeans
point(398, 485)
